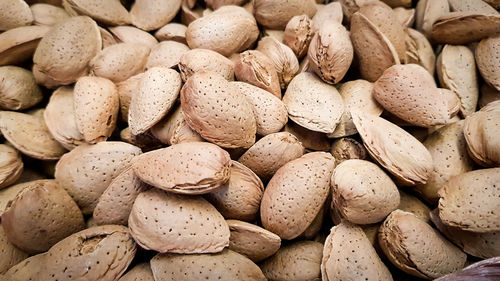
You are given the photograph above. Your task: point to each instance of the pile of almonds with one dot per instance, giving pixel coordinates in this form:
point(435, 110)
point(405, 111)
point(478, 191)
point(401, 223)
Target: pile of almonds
point(249, 140)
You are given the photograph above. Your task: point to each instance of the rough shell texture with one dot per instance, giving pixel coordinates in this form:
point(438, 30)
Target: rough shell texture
point(11, 165)
point(15, 13)
point(464, 27)
point(173, 129)
point(18, 44)
point(172, 223)
point(283, 58)
point(46, 14)
point(130, 34)
point(166, 54)
point(329, 12)
point(405, 16)
point(427, 12)
point(350, 7)
point(9, 194)
point(172, 31)
point(311, 140)
point(481, 131)
point(255, 68)
point(488, 60)
point(412, 204)
point(140, 272)
point(11, 255)
point(296, 193)
point(477, 6)
point(86, 171)
point(347, 148)
point(196, 60)
point(109, 12)
point(26, 270)
point(275, 14)
point(299, 32)
point(252, 241)
point(153, 14)
point(126, 90)
point(18, 88)
point(419, 50)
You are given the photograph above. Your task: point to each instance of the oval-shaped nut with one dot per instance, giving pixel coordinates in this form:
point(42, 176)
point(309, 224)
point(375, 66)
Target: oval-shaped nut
point(109, 12)
point(362, 192)
point(197, 60)
point(275, 14)
point(238, 198)
point(11, 255)
point(412, 204)
point(481, 131)
point(65, 51)
point(347, 148)
point(40, 216)
point(86, 171)
point(410, 93)
point(488, 61)
point(448, 149)
point(96, 104)
point(97, 253)
point(172, 31)
point(252, 241)
point(416, 248)
point(15, 13)
point(284, 60)
point(8, 194)
point(116, 201)
point(166, 54)
point(173, 129)
point(11, 166)
point(311, 140)
point(18, 44)
point(228, 30)
point(329, 12)
point(373, 49)
point(419, 50)
point(427, 12)
point(126, 90)
point(18, 88)
point(216, 109)
point(130, 34)
point(107, 38)
point(313, 104)
point(192, 167)
point(459, 28)
point(140, 272)
point(255, 68)
point(46, 14)
point(296, 193)
point(26, 269)
point(477, 6)
point(299, 260)
point(30, 135)
point(153, 14)
point(405, 16)
point(299, 32)
point(331, 52)
point(396, 150)
point(226, 265)
point(269, 111)
point(350, 7)
point(349, 255)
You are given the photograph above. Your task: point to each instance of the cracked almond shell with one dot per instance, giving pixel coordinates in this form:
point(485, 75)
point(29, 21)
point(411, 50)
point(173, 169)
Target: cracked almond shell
point(109, 12)
point(18, 88)
point(459, 28)
point(18, 44)
point(255, 68)
point(481, 132)
point(488, 61)
point(11, 255)
point(298, 34)
point(197, 60)
point(347, 148)
point(15, 13)
point(275, 14)
point(11, 165)
point(152, 14)
point(284, 60)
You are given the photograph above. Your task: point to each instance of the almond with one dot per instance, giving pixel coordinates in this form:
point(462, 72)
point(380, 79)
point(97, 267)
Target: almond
point(299, 32)
point(481, 130)
point(347, 148)
point(18, 44)
point(153, 14)
point(197, 60)
point(18, 88)
point(460, 28)
point(173, 129)
point(46, 14)
point(8, 194)
point(11, 255)
point(15, 13)
point(166, 54)
point(172, 31)
point(110, 12)
point(284, 60)
point(126, 89)
point(427, 13)
point(405, 16)
point(107, 38)
point(245, 236)
point(255, 68)
point(275, 14)
point(350, 7)
point(477, 6)
point(412, 204)
point(130, 34)
point(140, 272)
point(310, 140)
point(27, 269)
point(419, 50)
point(329, 12)
point(11, 166)
point(487, 60)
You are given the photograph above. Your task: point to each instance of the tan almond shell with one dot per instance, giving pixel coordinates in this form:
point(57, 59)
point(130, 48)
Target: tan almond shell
point(238, 198)
point(166, 54)
point(216, 110)
point(448, 149)
point(109, 12)
point(190, 14)
point(350, 7)
point(298, 34)
point(153, 14)
point(15, 13)
point(487, 95)
point(172, 31)
point(107, 38)
point(362, 192)
point(64, 52)
point(300, 260)
point(427, 12)
point(197, 60)
point(11, 255)
point(173, 223)
point(469, 201)
point(40, 216)
point(419, 50)
point(329, 12)
point(269, 111)
point(271, 152)
point(173, 129)
point(11, 166)
point(481, 131)
point(192, 167)
point(347, 148)
point(97, 253)
point(405, 16)
point(477, 6)
point(30, 135)
point(116, 201)
point(228, 30)
point(488, 61)
point(130, 34)
point(27, 269)
point(18, 44)
point(312, 231)
point(86, 171)
point(283, 58)
point(311, 140)
point(349, 255)
point(18, 88)
point(460, 28)
point(374, 50)
point(255, 68)
point(140, 272)
point(296, 193)
point(275, 14)
point(396, 150)
point(225, 266)
point(46, 14)
point(313, 104)
point(64, 130)
point(126, 90)
point(252, 241)
point(96, 104)
point(8, 194)
point(412, 204)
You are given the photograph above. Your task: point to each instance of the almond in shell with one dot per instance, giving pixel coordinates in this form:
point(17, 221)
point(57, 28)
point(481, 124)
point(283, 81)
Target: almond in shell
point(347, 148)
point(284, 60)
point(172, 31)
point(11, 165)
point(412, 204)
point(140, 272)
point(196, 60)
point(153, 14)
point(299, 32)
point(275, 14)
point(488, 61)
point(15, 13)
point(311, 140)
point(329, 12)
point(11, 255)
point(109, 12)
point(166, 54)
point(126, 89)
point(27, 269)
point(478, 6)
point(255, 68)
point(419, 50)
point(427, 12)
point(18, 44)
point(18, 88)
point(481, 133)
point(460, 28)
point(46, 14)
point(130, 34)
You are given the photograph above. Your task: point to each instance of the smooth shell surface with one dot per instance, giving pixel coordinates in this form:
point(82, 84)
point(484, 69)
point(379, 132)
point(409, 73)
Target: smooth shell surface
point(110, 12)
point(464, 27)
point(488, 60)
point(11, 165)
point(18, 88)
point(15, 13)
point(153, 14)
point(275, 14)
point(252, 241)
point(481, 133)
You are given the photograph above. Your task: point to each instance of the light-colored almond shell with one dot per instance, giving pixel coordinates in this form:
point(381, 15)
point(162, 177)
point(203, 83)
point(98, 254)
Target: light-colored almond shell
point(166, 54)
point(329, 12)
point(130, 34)
point(109, 12)
point(172, 31)
point(412, 204)
point(196, 60)
point(478, 6)
point(427, 12)
point(46, 14)
point(419, 50)
point(488, 61)
point(27, 269)
point(406, 17)
point(153, 14)
point(18, 44)
point(11, 255)
point(8, 194)
point(15, 13)
point(140, 272)
point(126, 90)
point(11, 165)
point(298, 34)
point(18, 88)
point(481, 131)
point(275, 14)
point(173, 129)
point(461, 28)
point(350, 7)
point(255, 68)
point(284, 60)
point(311, 140)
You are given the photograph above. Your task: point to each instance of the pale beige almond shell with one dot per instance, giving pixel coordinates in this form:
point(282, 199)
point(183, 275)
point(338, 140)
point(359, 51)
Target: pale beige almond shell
point(27, 269)
point(349, 255)
point(86, 171)
point(296, 193)
point(238, 198)
point(459, 28)
point(374, 50)
point(275, 14)
point(396, 150)
point(273, 33)
point(477, 6)
point(481, 131)
point(298, 34)
point(300, 260)
point(130, 34)
point(46, 14)
point(8, 194)
point(406, 17)
point(126, 90)
point(412, 204)
point(215, 4)
point(173, 223)
point(311, 140)
point(116, 201)
point(398, 3)
point(18, 44)
point(30, 135)
point(362, 192)
point(225, 266)
point(196, 60)
point(313, 104)
point(11, 255)
point(96, 104)
point(481, 245)
point(11, 166)
point(15, 13)
point(109, 12)
point(252, 241)
point(419, 50)
point(328, 12)
point(96, 253)
point(173, 129)
point(228, 30)
point(216, 109)
point(18, 88)
point(64, 52)
point(331, 52)
point(448, 149)
point(270, 112)
point(488, 61)
point(40, 216)
point(350, 7)
point(271, 152)
point(255, 68)
point(427, 12)
point(469, 201)
point(119, 62)
point(166, 54)
point(190, 14)
point(140, 272)
point(172, 31)
point(347, 148)
point(312, 231)
point(157, 92)
point(107, 38)
point(153, 14)
point(64, 130)
point(284, 60)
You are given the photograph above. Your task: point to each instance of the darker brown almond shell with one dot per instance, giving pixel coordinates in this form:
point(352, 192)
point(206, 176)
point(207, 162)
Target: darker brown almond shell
point(27, 269)
point(460, 28)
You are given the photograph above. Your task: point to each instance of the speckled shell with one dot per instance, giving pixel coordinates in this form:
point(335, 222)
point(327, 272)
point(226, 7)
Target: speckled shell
point(46, 14)
point(477, 6)
point(153, 14)
point(196, 60)
point(488, 61)
point(275, 14)
point(18, 88)
point(19, 44)
point(347, 148)
point(8, 194)
point(27, 269)
point(172, 31)
point(11, 255)
point(464, 27)
point(427, 12)
point(481, 131)
point(130, 34)
point(166, 54)
point(15, 13)
point(283, 58)
point(109, 12)
point(126, 90)
point(311, 140)
point(412, 204)
point(419, 50)
point(299, 32)
point(255, 68)
point(252, 241)
point(11, 165)
point(406, 17)
point(173, 129)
